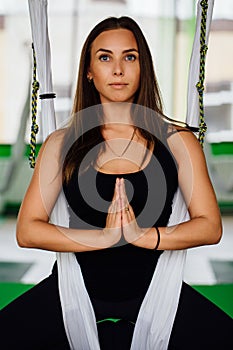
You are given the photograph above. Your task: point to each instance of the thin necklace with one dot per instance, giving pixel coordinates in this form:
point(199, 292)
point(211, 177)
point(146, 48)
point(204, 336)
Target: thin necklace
point(125, 149)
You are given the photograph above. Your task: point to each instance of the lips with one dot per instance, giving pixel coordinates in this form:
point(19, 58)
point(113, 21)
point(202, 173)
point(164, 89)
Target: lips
point(118, 85)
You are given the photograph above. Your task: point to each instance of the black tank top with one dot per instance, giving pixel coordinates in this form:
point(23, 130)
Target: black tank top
point(122, 271)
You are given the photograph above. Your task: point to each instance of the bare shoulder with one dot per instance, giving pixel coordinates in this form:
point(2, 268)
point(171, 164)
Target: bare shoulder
point(53, 142)
point(56, 137)
point(183, 143)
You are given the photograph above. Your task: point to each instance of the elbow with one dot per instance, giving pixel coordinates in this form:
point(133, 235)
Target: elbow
point(216, 233)
point(22, 241)
point(219, 234)
point(22, 237)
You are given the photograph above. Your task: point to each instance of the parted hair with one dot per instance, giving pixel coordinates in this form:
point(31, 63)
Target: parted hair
point(77, 143)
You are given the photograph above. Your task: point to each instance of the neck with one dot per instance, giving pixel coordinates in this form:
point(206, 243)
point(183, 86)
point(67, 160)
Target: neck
point(117, 113)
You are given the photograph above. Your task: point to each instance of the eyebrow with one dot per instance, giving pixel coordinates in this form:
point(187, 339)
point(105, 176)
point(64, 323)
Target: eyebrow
point(109, 51)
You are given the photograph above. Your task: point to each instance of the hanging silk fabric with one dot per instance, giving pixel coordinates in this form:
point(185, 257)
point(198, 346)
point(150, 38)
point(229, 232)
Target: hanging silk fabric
point(158, 310)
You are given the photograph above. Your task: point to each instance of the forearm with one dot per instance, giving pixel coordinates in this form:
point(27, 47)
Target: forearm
point(195, 232)
point(42, 235)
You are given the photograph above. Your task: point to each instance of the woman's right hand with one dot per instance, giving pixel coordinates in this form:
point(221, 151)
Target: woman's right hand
point(113, 229)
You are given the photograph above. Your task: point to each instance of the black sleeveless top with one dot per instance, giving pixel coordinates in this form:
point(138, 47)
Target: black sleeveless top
point(122, 271)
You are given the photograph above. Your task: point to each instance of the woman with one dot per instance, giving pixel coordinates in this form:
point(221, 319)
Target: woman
point(119, 165)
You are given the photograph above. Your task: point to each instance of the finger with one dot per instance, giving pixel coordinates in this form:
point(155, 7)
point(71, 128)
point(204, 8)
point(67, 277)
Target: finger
point(116, 190)
point(131, 212)
point(127, 216)
point(128, 207)
point(114, 216)
point(123, 196)
point(126, 211)
point(118, 216)
point(112, 207)
point(123, 187)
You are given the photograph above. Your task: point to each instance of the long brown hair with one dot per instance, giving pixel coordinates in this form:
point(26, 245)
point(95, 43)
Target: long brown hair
point(77, 143)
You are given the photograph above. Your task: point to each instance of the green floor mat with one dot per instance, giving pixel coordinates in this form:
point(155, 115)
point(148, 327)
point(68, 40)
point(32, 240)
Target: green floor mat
point(10, 291)
point(219, 294)
point(13, 271)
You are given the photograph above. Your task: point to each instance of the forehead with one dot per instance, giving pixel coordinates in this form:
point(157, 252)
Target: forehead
point(115, 39)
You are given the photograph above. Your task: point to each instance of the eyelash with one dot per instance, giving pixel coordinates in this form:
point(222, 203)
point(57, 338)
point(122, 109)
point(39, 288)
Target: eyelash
point(103, 56)
point(106, 56)
point(132, 56)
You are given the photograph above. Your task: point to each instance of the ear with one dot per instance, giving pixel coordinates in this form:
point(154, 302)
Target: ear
point(89, 75)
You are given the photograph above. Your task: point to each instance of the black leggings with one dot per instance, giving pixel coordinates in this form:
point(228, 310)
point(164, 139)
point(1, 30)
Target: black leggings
point(34, 321)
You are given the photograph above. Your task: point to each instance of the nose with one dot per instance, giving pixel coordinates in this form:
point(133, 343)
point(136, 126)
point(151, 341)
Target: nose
point(118, 73)
point(118, 70)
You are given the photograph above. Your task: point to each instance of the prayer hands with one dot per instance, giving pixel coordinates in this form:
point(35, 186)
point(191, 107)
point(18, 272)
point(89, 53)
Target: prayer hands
point(121, 218)
point(130, 229)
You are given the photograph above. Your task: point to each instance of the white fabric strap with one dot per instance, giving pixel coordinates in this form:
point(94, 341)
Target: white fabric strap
point(78, 313)
point(158, 309)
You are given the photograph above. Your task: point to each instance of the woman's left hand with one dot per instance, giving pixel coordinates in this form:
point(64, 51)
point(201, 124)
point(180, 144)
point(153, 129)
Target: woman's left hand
point(130, 229)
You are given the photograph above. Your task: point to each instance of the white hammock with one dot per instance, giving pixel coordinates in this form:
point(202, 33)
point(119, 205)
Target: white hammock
point(158, 310)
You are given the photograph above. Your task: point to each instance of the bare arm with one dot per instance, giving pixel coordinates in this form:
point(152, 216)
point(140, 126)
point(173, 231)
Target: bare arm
point(204, 226)
point(34, 229)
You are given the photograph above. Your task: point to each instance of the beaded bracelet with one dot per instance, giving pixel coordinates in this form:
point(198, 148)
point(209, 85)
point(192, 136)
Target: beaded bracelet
point(158, 241)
